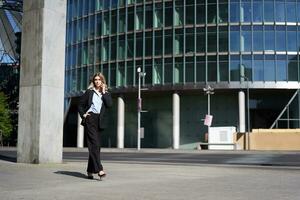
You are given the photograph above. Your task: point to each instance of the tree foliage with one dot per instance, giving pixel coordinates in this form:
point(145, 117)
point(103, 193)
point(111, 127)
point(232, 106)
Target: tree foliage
point(5, 120)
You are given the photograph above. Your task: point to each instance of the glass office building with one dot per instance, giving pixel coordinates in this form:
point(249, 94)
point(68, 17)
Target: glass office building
point(183, 46)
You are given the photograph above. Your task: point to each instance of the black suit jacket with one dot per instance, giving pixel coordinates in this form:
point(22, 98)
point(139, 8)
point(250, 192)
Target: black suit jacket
point(85, 103)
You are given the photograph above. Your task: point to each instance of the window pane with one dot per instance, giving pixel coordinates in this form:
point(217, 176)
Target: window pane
point(291, 12)
point(98, 24)
point(212, 68)
point(246, 42)
point(200, 40)
point(200, 14)
point(200, 69)
point(269, 38)
point(293, 70)
point(178, 20)
point(148, 43)
point(129, 74)
point(113, 22)
point(223, 13)
point(139, 20)
point(121, 74)
point(130, 46)
point(189, 71)
point(157, 72)
point(92, 27)
point(258, 70)
point(223, 69)
point(105, 50)
point(189, 14)
point(112, 77)
point(149, 16)
point(121, 50)
point(106, 26)
point(211, 39)
point(130, 24)
point(211, 13)
point(269, 70)
point(139, 45)
point(246, 67)
point(168, 42)
point(280, 11)
point(257, 12)
point(281, 68)
point(113, 51)
point(168, 71)
point(280, 41)
point(178, 70)
point(258, 41)
point(168, 14)
point(189, 45)
point(223, 39)
point(234, 68)
point(269, 11)
point(246, 12)
point(158, 42)
point(91, 52)
point(178, 45)
point(148, 70)
point(235, 40)
point(234, 12)
point(98, 51)
point(122, 21)
point(158, 16)
point(291, 41)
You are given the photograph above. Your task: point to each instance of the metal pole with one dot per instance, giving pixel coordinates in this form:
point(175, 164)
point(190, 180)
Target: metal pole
point(208, 103)
point(139, 112)
point(248, 114)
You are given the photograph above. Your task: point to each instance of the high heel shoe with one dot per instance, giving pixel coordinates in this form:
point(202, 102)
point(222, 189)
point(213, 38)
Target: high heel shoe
point(101, 175)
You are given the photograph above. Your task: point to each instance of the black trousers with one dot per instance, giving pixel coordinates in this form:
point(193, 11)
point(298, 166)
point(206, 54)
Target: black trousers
point(93, 138)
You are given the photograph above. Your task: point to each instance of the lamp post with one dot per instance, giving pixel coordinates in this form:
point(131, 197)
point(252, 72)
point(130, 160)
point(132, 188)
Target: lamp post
point(208, 90)
point(139, 107)
point(248, 112)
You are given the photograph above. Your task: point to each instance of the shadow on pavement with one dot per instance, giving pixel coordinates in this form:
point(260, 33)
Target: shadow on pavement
point(69, 173)
point(7, 158)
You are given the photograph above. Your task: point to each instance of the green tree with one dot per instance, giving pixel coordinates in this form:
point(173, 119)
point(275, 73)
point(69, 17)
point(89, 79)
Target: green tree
point(5, 120)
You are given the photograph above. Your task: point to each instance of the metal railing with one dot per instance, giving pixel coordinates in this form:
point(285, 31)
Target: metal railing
point(286, 108)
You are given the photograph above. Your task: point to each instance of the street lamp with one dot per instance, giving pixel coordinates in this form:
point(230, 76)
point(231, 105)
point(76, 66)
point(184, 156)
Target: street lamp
point(248, 111)
point(139, 107)
point(208, 90)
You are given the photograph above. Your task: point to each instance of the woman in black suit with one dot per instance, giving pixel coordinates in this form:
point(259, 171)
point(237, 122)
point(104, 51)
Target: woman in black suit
point(92, 109)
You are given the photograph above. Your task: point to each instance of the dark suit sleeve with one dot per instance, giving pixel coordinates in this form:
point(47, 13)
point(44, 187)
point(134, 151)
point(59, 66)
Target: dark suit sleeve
point(106, 98)
point(83, 102)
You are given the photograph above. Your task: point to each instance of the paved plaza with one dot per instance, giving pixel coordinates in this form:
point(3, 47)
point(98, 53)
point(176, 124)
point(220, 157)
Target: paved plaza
point(133, 180)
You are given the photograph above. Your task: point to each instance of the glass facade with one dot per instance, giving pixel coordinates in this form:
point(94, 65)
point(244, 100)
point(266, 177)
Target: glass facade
point(184, 45)
point(178, 42)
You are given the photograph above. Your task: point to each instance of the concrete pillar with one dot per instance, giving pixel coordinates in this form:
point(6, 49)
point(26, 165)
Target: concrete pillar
point(242, 112)
point(121, 124)
point(80, 133)
point(41, 106)
point(176, 121)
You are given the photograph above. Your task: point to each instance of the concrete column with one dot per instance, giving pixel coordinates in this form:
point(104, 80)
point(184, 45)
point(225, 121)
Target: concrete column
point(121, 124)
point(176, 121)
point(242, 112)
point(80, 133)
point(41, 106)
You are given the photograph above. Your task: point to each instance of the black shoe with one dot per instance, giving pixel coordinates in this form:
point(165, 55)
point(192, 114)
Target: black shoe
point(90, 176)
